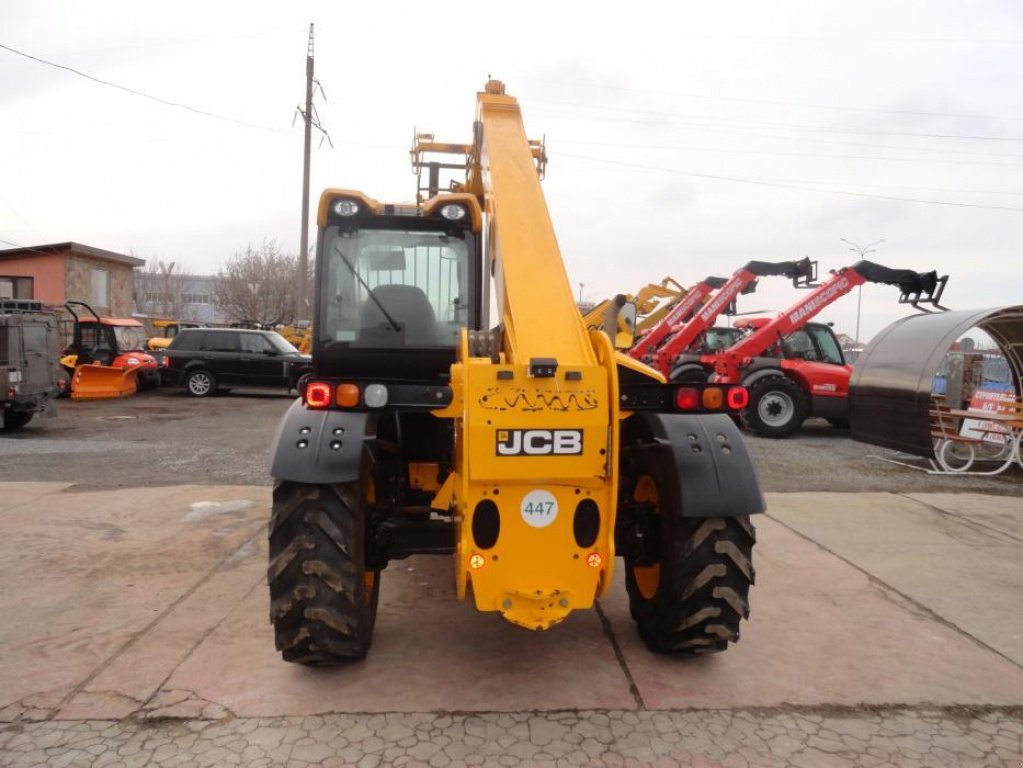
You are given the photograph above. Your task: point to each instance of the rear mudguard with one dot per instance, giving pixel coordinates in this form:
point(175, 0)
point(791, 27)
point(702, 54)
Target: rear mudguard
point(715, 471)
point(313, 446)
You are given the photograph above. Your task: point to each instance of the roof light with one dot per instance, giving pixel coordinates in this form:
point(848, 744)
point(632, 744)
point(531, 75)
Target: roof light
point(347, 395)
point(346, 207)
point(687, 399)
point(318, 394)
point(594, 560)
point(375, 396)
point(713, 398)
point(453, 212)
point(738, 398)
point(477, 561)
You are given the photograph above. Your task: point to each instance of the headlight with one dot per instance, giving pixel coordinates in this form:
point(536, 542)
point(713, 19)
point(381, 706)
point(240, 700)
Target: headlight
point(346, 207)
point(452, 212)
point(375, 396)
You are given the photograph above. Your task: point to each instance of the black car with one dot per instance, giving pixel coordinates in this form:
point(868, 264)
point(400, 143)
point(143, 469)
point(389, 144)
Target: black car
point(202, 359)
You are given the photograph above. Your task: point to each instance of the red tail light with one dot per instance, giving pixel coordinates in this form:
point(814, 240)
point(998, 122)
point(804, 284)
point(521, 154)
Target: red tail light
point(687, 398)
point(738, 398)
point(318, 394)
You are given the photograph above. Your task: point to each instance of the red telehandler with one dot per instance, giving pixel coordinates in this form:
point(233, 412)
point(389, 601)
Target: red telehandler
point(793, 368)
point(691, 318)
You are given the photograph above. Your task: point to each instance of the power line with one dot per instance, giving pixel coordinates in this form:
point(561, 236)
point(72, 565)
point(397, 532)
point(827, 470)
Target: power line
point(784, 103)
point(784, 185)
point(733, 150)
point(144, 95)
point(710, 122)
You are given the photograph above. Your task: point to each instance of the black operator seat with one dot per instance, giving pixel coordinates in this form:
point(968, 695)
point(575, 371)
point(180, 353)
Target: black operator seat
point(408, 306)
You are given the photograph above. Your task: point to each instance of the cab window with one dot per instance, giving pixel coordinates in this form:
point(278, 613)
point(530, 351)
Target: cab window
point(830, 352)
point(395, 288)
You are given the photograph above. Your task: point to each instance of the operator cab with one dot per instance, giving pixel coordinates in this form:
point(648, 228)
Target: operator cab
point(398, 285)
point(814, 343)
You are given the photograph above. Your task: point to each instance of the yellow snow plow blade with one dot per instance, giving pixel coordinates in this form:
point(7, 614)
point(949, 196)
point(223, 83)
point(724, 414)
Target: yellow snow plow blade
point(101, 382)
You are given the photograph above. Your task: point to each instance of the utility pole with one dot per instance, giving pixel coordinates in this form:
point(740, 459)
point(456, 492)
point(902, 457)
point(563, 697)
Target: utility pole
point(862, 251)
point(311, 120)
point(303, 248)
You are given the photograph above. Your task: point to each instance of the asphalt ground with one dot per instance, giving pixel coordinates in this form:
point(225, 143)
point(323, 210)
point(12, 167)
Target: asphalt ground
point(166, 436)
point(886, 627)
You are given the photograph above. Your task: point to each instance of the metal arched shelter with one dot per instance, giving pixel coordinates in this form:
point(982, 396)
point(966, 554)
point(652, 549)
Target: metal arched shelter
point(890, 392)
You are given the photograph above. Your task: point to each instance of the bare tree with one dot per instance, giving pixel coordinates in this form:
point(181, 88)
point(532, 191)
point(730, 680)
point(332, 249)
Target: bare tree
point(259, 285)
point(158, 286)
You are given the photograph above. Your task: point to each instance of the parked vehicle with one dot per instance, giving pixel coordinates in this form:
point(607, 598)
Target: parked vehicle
point(667, 343)
point(166, 331)
point(107, 356)
point(203, 359)
point(30, 378)
point(506, 435)
point(794, 369)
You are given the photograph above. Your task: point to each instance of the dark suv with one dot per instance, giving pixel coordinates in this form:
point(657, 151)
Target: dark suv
point(203, 359)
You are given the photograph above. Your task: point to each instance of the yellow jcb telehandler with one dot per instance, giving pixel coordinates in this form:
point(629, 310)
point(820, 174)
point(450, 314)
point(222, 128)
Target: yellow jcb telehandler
point(509, 437)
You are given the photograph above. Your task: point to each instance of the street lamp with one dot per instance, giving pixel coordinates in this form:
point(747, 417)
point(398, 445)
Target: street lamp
point(862, 251)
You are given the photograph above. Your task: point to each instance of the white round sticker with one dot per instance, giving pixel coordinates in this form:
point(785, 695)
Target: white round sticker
point(539, 508)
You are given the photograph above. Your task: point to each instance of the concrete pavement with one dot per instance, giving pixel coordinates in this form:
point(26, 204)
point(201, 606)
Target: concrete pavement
point(885, 628)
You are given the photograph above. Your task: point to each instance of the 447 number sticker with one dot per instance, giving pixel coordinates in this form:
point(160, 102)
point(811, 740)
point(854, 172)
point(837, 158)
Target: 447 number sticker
point(539, 508)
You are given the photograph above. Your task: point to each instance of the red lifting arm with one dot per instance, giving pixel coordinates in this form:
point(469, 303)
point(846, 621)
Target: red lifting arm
point(916, 288)
point(676, 339)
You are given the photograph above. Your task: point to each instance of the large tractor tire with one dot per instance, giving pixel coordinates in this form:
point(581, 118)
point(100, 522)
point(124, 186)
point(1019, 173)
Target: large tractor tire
point(323, 601)
point(690, 592)
point(777, 407)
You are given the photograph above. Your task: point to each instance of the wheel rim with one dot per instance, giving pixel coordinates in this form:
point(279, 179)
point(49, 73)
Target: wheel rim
point(647, 577)
point(776, 409)
point(199, 383)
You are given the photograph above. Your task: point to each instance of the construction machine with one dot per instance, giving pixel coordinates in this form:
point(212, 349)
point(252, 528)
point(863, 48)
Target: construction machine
point(653, 301)
point(30, 379)
point(299, 335)
point(692, 318)
point(794, 368)
point(166, 331)
point(106, 357)
point(524, 446)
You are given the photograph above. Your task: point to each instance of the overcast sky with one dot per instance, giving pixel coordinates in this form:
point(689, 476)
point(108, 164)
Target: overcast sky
point(657, 117)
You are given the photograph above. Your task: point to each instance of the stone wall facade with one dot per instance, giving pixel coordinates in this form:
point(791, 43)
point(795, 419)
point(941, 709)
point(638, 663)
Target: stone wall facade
point(79, 284)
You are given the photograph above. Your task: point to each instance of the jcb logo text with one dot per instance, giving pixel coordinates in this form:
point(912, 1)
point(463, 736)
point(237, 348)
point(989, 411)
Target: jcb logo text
point(539, 442)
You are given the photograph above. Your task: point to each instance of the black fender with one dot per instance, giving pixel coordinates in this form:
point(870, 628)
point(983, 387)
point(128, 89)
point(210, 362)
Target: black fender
point(715, 471)
point(295, 374)
point(314, 446)
point(691, 370)
point(764, 373)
